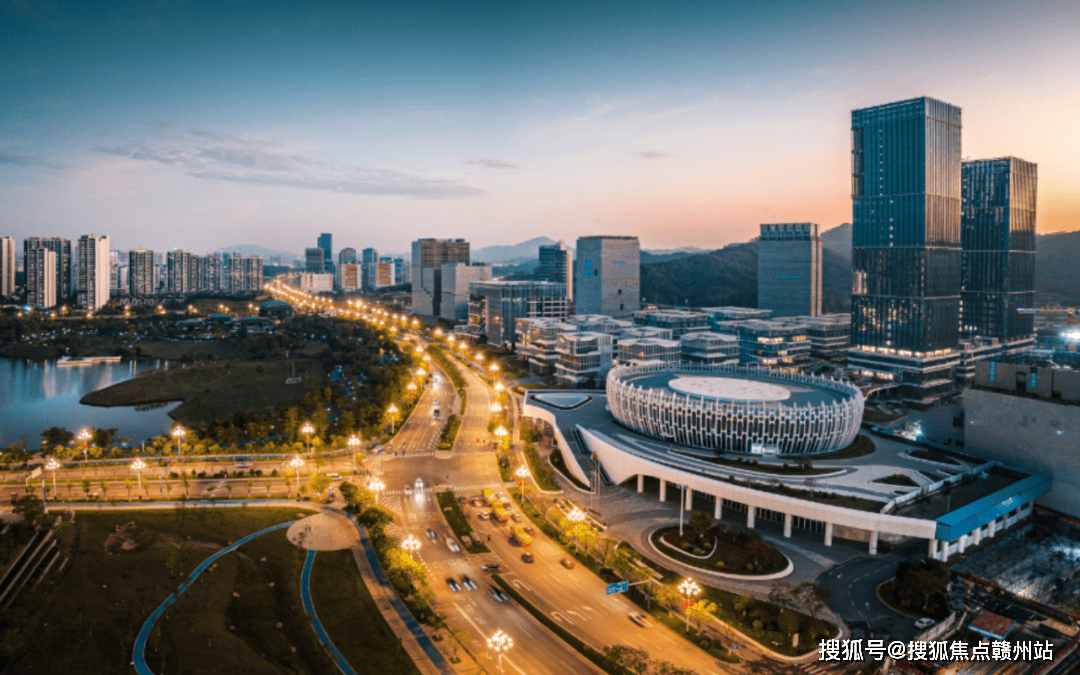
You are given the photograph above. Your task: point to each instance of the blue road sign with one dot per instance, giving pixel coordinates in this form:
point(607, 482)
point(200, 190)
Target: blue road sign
point(618, 587)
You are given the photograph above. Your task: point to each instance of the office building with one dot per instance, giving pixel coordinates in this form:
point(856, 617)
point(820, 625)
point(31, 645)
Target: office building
point(118, 281)
point(906, 255)
point(370, 255)
point(349, 276)
point(245, 274)
point(180, 273)
point(495, 307)
point(314, 261)
point(585, 358)
point(537, 341)
point(709, 349)
point(7, 267)
point(997, 235)
point(771, 344)
point(428, 258)
point(679, 322)
point(378, 275)
point(557, 266)
point(325, 243)
point(721, 314)
point(140, 273)
point(649, 351)
point(829, 334)
point(93, 269)
point(316, 283)
point(789, 269)
point(401, 271)
point(454, 283)
point(347, 256)
point(607, 279)
point(62, 248)
point(41, 263)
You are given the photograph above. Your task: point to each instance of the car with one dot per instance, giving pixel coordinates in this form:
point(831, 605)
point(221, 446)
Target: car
point(453, 584)
point(528, 557)
point(484, 515)
point(529, 530)
point(640, 619)
point(335, 476)
point(516, 517)
point(507, 505)
point(243, 465)
point(493, 567)
point(452, 545)
point(478, 502)
point(497, 594)
point(467, 582)
point(462, 499)
point(568, 563)
point(431, 533)
point(924, 622)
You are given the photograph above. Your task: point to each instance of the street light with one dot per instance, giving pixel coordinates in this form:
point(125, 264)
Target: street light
point(411, 545)
point(85, 437)
point(576, 516)
point(393, 410)
point(522, 473)
point(296, 463)
point(689, 590)
point(376, 486)
point(496, 408)
point(52, 465)
point(307, 430)
point(353, 444)
point(137, 466)
point(412, 388)
point(501, 433)
point(500, 642)
point(179, 433)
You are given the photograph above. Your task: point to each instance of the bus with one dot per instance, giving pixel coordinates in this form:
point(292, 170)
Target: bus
point(488, 500)
point(499, 513)
point(519, 536)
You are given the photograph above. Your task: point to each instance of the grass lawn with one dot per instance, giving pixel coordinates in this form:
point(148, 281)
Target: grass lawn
point(860, 447)
point(215, 391)
point(556, 460)
point(729, 557)
point(351, 618)
point(878, 416)
point(85, 619)
point(541, 472)
point(901, 479)
point(928, 454)
point(455, 518)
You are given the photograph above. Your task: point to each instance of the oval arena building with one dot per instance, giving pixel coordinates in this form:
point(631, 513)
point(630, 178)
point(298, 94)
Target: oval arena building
point(734, 409)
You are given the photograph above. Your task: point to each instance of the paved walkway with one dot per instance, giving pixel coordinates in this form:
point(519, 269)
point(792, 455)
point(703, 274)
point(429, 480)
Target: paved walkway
point(309, 607)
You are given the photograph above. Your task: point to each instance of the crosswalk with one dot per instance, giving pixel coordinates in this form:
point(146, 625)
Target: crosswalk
point(461, 489)
point(822, 668)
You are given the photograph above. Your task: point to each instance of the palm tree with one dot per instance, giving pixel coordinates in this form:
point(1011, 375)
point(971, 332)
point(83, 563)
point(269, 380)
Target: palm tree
point(104, 489)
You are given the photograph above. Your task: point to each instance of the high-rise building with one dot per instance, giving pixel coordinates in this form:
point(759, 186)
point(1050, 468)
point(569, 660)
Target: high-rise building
point(347, 256)
point(428, 257)
point(326, 244)
point(207, 273)
point(557, 266)
point(401, 271)
point(118, 281)
point(454, 283)
point(245, 274)
point(379, 274)
point(93, 261)
point(369, 255)
point(997, 236)
point(180, 272)
point(314, 261)
point(349, 276)
point(7, 267)
point(41, 263)
point(62, 248)
point(608, 276)
point(789, 269)
point(905, 305)
point(140, 273)
point(495, 307)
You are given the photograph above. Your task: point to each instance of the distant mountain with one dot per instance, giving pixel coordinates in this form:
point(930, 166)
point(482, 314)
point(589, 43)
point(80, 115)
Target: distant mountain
point(1057, 272)
point(838, 240)
point(516, 253)
point(650, 257)
point(728, 276)
point(266, 253)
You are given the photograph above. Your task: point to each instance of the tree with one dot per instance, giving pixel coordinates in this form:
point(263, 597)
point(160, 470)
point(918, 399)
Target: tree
point(376, 517)
point(86, 487)
point(701, 612)
point(812, 484)
point(104, 489)
point(318, 482)
point(129, 483)
point(782, 594)
point(185, 482)
point(700, 522)
point(668, 596)
point(30, 508)
point(104, 438)
point(812, 597)
point(250, 484)
point(458, 636)
point(923, 585)
point(54, 436)
point(644, 576)
point(636, 660)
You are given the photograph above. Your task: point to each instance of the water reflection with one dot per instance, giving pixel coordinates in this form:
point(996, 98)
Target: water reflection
point(36, 395)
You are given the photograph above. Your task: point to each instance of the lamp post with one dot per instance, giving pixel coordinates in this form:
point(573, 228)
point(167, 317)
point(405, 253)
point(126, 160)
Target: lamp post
point(496, 408)
point(576, 516)
point(376, 486)
point(296, 463)
point(85, 436)
point(137, 466)
point(501, 433)
point(522, 473)
point(179, 433)
point(353, 444)
point(393, 410)
point(682, 507)
point(52, 465)
point(411, 546)
point(412, 388)
point(689, 590)
point(500, 642)
point(307, 430)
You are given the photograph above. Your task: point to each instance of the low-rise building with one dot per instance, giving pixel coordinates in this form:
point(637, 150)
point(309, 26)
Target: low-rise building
point(317, 283)
point(537, 340)
point(772, 344)
point(585, 358)
point(638, 351)
point(495, 306)
point(711, 349)
point(679, 322)
point(829, 334)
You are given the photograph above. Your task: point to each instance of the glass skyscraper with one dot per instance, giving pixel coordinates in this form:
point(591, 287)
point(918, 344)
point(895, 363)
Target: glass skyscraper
point(905, 303)
point(998, 237)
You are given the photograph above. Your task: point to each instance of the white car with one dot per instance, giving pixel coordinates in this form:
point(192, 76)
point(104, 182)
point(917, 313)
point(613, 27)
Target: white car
point(335, 476)
point(452, 545)
point(453, 584)
point(924, 622)
point(468, 583)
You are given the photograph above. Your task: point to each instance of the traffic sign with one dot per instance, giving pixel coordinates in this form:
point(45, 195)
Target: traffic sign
point(618, 587)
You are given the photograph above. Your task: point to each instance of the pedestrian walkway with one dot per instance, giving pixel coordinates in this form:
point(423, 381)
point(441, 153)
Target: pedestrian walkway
point(309, 607)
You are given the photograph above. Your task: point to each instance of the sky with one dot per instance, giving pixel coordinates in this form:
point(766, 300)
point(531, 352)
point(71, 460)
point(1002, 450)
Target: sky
point(202, 125)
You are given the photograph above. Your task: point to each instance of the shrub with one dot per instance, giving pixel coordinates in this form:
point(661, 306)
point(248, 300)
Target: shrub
point(705, 644)
point(758, 625)
point(698, 551)
point(719, 564)
point(749, 567)
point(274, 473)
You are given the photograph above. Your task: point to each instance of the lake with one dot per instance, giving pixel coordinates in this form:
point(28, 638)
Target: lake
point(36, 395)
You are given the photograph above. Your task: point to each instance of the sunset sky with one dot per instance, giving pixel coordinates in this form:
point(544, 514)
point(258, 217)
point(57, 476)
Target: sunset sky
point(201, 125)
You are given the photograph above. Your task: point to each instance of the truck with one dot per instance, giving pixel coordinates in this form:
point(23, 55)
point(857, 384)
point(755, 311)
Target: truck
point(488, 492)
point(499, 514)
point(519, 536)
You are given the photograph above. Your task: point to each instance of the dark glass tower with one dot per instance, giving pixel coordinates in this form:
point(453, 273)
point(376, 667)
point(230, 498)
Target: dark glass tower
point(998, 237)
point(906, 227)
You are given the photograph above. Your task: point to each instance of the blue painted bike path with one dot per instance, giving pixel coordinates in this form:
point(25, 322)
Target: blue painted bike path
point(309, 607)
point(139, 657)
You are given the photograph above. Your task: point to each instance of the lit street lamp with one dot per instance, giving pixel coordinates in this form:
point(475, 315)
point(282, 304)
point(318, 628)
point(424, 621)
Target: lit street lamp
point(576, 516)
point(296, 463)
point(393, 410)
point(137, 466)
point(307, 430)
point(412, 388)
point(85, 436)
point(411, 546)
point(496, 408)
point(353, 444)
point(501, 433)
point(376, 486)
point(522, 473)
point(179, 433)
point(52, 465)
point(689, 590)
point(500, 642)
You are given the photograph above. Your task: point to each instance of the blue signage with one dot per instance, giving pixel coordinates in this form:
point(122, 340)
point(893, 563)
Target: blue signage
point(1033, 380)
point(618, 587)
point(993, 371)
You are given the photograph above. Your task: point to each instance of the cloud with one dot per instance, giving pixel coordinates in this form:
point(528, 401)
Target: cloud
point(27, 160)
point(492, 164)
point(210, 155)
point(649, 154)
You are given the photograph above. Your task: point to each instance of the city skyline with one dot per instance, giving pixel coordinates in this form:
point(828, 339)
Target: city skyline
point(684, 126)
